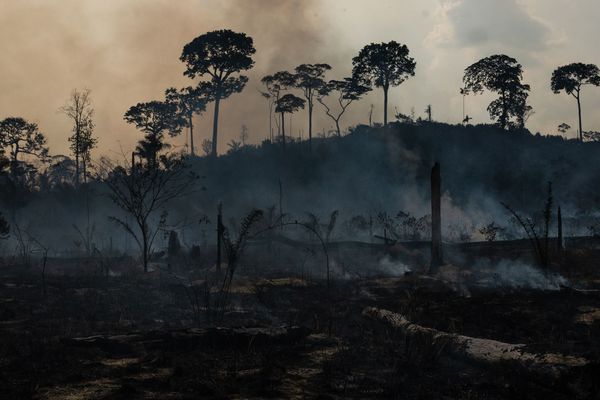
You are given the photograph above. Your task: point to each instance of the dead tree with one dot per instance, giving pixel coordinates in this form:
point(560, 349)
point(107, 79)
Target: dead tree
point(477, 351)
point(539, 241)
point(560, 239)
point(143, 192)
point(436, 218)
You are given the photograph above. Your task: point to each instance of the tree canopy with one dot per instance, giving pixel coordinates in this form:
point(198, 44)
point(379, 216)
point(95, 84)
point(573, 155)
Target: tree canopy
point(571, 78)
point(154, 118)
point(503, 75)
point(310, 79)
point(383, 65)
point(21, 137)
point(220, 55)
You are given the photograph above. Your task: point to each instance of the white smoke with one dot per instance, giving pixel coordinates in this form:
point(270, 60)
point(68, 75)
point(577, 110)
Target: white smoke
point(517, 275)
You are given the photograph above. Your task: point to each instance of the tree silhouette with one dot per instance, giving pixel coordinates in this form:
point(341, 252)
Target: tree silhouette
point(21, 137)
point(154, 119)
point(220, 55)
point(500, 74)
point(288, 104)
point(79, 110)
point(275, 84)
point(571, 78)
point(309, 78)
point(142, 192)
point(189, 101)
point(346, 92)
point(383, 65)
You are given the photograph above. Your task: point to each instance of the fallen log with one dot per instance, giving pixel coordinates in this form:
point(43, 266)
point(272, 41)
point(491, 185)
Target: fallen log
point(481, 351)
point(241, 338)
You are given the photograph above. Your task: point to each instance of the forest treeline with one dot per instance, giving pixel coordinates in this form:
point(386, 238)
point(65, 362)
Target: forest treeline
point(375, 168)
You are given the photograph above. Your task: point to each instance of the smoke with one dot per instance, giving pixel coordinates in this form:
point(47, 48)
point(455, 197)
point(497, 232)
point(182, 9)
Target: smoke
point(392, 267)
point(128, 52)
point(515, 275)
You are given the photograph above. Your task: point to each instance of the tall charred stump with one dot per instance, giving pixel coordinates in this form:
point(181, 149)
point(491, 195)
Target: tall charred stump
point(436, 218)
point(560, 242)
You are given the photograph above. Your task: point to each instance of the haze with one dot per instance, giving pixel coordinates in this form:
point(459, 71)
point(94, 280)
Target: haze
point(127, 51)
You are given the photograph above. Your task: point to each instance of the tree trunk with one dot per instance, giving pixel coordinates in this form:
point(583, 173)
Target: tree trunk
point(337, 128)
point(145, 249)
point(436, 219)
point(192, 151)
point(579, 113)
point(310, 110)
point(215, 126)
point(84, 170)
point(385, 105)
point(283, 130)
point(548, 367)
point(77, 147)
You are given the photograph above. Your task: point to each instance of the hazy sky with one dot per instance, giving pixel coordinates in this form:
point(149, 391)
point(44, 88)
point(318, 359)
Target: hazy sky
point(127, 51)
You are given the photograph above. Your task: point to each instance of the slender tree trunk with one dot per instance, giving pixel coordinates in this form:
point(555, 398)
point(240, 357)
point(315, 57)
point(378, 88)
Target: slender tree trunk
point(283, 130)
point(215, 125)
point(84, 165)
point(77, 154)
point(192, 151)
point(14, 162)
point(270, 120)
point(337, 127)
point(310, 111)
point(436, 218)
point(579, 113)
point(385, 105)
point(145, 249)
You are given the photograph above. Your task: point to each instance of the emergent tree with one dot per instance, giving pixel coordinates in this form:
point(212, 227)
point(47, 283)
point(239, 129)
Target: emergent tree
point(383, 65)
point(571, 78)
point(309, 79)
point(221, 55)
point(503, 75)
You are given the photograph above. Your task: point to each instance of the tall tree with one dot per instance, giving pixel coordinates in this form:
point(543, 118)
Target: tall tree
point(221, 55)
point(275, 84)
point(345, 92)
point(503, 75)
point(383, 65)
point(79, 109)
point(571, 78)
point(189, 101)
point(288, 104)
point(154, 119)
point(21, 137)
point(310, 79)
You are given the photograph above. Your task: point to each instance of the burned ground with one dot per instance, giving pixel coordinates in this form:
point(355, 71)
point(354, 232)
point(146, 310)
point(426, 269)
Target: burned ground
point(128, 335)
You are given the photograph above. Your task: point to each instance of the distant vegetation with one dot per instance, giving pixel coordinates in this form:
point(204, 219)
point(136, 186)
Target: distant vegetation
point(372, 171)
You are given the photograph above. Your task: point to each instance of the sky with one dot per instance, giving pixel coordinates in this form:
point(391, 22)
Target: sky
point(127, 51)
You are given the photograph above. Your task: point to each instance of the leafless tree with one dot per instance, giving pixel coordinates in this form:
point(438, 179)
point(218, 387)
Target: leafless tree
point(143, 192)
point(79, 110)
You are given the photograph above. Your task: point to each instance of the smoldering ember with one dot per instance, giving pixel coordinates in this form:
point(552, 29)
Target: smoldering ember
point(299, 199)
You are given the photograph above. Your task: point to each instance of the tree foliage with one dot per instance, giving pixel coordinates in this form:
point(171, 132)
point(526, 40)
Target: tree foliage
point(383, 65)
point(503, 75)
point(189, 101)
point(571, 78)
point(345, 93)
point(79, 109)
point(310, 79)
point(219, 55)
point(154, 119)
point(20, 137)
